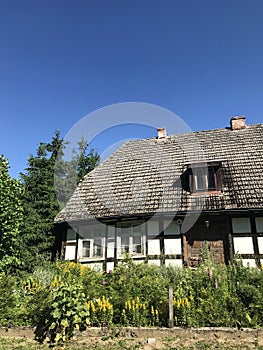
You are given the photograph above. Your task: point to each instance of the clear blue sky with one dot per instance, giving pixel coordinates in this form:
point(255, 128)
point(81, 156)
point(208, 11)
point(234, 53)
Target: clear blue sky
point(62, 59)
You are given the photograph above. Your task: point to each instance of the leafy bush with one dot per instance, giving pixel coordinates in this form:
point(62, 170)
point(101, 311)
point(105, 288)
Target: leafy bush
point(67, 312)
point(8, 300)
point(64, 297)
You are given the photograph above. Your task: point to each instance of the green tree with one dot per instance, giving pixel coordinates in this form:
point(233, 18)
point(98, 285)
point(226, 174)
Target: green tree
point(11, 217)
point(86, 159)
point(40, 200)
point(68, 173)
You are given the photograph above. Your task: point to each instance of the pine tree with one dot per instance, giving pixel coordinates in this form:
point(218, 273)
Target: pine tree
point(11, 217)
point(45, 173)
point(39, 202)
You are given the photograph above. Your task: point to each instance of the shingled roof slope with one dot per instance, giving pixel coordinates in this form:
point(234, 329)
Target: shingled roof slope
point(143, 176)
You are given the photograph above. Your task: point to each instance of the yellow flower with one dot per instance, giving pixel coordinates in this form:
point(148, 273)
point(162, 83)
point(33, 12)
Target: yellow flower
point(152, 310)
point(186, 302)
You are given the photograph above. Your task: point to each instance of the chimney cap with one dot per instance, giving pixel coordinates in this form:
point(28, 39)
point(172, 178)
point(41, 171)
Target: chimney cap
point(236, 117)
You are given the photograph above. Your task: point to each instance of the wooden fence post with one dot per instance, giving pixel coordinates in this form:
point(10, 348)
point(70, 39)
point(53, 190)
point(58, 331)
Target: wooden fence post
point(171, 309)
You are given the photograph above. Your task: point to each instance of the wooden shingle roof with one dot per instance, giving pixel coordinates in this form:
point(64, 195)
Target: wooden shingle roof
point(143, 177)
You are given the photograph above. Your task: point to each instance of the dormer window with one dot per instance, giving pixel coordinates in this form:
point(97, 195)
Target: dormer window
point(205, 177)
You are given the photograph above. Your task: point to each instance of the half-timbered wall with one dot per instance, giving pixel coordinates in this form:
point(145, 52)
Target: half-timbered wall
point(247, 236)
point(160, 242)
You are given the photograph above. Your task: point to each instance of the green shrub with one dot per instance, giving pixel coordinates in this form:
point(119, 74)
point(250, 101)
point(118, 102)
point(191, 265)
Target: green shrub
point(8, 300)
point(67, 312)
point(63, 297)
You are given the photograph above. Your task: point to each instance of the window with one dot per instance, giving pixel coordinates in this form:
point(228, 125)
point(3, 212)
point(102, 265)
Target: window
point(205, 178)
point(97, 247)
point(125, 244)
point(86, 249)
point(71, 235)
point(136, 245)
point(92, 240)
point(171, 228)
point(131, 239)
point(241, 225)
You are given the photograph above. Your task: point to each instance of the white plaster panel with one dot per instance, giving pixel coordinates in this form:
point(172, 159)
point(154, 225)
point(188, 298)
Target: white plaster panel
point(70, 252)
point(110, 249)
point(154, 247)
point(174, 262)
point(154, 262)
point(249, 262)
point(96, 266)
point(153, 228)
point(243, 245)
point(172, 246)
point(138, 261)
point(110, 266)
point(260, 245)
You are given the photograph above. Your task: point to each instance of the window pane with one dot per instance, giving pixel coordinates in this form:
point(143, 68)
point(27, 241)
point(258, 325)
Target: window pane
point(97, 248)
point(125, 244)
point(71, 235)
point(259, 225)
point(211, 179)
point(137, 246)
point(199, 179)
point(86, 249)
point(241, 225)
point(153, 228)
point(172, 228)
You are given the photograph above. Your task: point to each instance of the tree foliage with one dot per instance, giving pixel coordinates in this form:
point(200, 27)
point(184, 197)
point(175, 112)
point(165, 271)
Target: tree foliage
point(40, 202)
point(11, 217)
point(68, 173)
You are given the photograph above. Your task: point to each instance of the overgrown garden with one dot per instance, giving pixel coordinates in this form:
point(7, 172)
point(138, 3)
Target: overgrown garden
point(64, 297)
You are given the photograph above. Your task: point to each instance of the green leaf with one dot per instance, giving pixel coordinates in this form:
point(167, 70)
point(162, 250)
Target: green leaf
point(64, 323)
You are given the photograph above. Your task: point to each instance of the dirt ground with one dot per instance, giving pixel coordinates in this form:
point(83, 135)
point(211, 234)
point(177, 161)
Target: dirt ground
point(181, 339)
point(147, 339)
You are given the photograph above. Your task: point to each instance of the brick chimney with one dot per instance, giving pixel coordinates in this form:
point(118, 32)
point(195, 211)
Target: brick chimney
point(161, 133)
point(238, 122)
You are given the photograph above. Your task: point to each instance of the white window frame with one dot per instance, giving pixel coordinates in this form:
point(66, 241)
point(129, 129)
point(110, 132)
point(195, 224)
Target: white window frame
point(199, 178)
point(131, 246)
point(90, 234)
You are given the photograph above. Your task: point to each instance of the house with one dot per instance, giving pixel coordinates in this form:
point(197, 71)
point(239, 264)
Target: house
point(162, 199)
